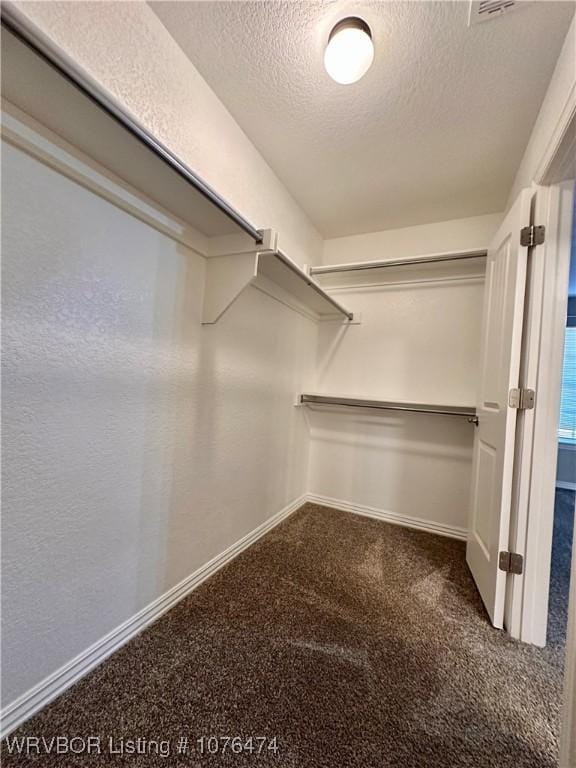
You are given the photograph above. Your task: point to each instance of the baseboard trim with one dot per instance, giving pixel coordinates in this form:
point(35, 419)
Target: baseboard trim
point(441, 529)
point(565, 486)
point(54, 685)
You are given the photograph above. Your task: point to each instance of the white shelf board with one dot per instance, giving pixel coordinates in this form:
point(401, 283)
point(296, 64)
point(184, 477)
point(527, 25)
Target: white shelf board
point(444, 257)
point(277, 267)
point(41, 91)
point(227, 276)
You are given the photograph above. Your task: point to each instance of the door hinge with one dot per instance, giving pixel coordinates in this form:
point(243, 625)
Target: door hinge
point(532, 235)
point(510, 562)
point(522, 399)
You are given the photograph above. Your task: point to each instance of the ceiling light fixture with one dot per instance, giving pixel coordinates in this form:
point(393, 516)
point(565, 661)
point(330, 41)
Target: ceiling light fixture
point(350, 50)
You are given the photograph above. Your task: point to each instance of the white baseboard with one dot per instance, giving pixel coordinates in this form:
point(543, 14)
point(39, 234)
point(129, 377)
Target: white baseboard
point(55, 684)
point(453, 531)
point(565, 486)
point(43, 693)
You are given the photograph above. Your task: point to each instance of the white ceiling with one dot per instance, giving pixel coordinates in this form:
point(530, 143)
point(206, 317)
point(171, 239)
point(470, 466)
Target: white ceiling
point(434, 131)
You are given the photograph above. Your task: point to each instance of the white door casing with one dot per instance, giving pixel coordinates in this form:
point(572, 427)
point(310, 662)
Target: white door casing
point(493, 461)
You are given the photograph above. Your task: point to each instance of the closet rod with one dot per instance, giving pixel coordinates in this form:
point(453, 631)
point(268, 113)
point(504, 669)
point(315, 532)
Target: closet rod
point(386, 405)
point(313, 284)
point(431, 259)
point(16, 23)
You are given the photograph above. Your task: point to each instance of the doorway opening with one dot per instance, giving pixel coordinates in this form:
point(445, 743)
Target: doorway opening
point(565, 493)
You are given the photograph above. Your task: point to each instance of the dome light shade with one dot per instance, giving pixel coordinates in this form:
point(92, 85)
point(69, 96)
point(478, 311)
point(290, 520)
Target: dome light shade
point(350, 51)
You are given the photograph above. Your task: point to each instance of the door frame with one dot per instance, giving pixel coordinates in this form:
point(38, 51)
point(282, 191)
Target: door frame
point(535, 482)
point(552, 154)
point(553, 157)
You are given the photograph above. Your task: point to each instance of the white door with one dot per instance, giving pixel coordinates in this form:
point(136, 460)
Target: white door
point(493, 462)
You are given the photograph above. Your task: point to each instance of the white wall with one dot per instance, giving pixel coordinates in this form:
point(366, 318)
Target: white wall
point(137, 444)
point(418, 341)
point(558, 104)
point(453, 235)
point(566, 468)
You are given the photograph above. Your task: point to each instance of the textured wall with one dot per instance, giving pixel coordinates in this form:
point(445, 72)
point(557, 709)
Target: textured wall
point(451, 235)
point(136, 443)
point(559, 97)
point(418, 340)
point(125, 47)
point(420, 343)
point(566, 470)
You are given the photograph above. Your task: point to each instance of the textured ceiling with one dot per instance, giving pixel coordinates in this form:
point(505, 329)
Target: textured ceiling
point(434, 131)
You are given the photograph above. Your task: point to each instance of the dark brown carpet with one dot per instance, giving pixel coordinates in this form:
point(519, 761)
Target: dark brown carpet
point(355, 642)
point(561, 562)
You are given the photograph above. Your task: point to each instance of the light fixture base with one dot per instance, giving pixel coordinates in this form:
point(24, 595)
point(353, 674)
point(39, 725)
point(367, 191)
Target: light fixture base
point(353, 22)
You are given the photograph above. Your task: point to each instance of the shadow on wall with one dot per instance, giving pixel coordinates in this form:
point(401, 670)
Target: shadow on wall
point(418, 342)
point(238, 446)
point(413, 465)
point(407, 347)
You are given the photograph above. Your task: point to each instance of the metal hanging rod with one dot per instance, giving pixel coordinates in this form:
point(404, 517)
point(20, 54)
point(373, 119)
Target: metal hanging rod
point(433, 258)
point(313, 284)
point(387, 405)
point(21, 28)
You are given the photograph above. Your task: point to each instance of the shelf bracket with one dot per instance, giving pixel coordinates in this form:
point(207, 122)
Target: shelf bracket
point(226, 278)
point(232, 266)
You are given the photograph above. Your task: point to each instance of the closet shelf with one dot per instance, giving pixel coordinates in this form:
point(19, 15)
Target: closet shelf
point(43, 82)
point(272, 271)
point(432, 258)
point(276, 266)
point(388, 405)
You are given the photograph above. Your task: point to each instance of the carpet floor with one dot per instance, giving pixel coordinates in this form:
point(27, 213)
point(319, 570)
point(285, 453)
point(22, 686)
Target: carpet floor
point(564, 506)
point(357, 644)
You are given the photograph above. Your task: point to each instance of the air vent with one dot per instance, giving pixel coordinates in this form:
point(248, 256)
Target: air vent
point(484, 10)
